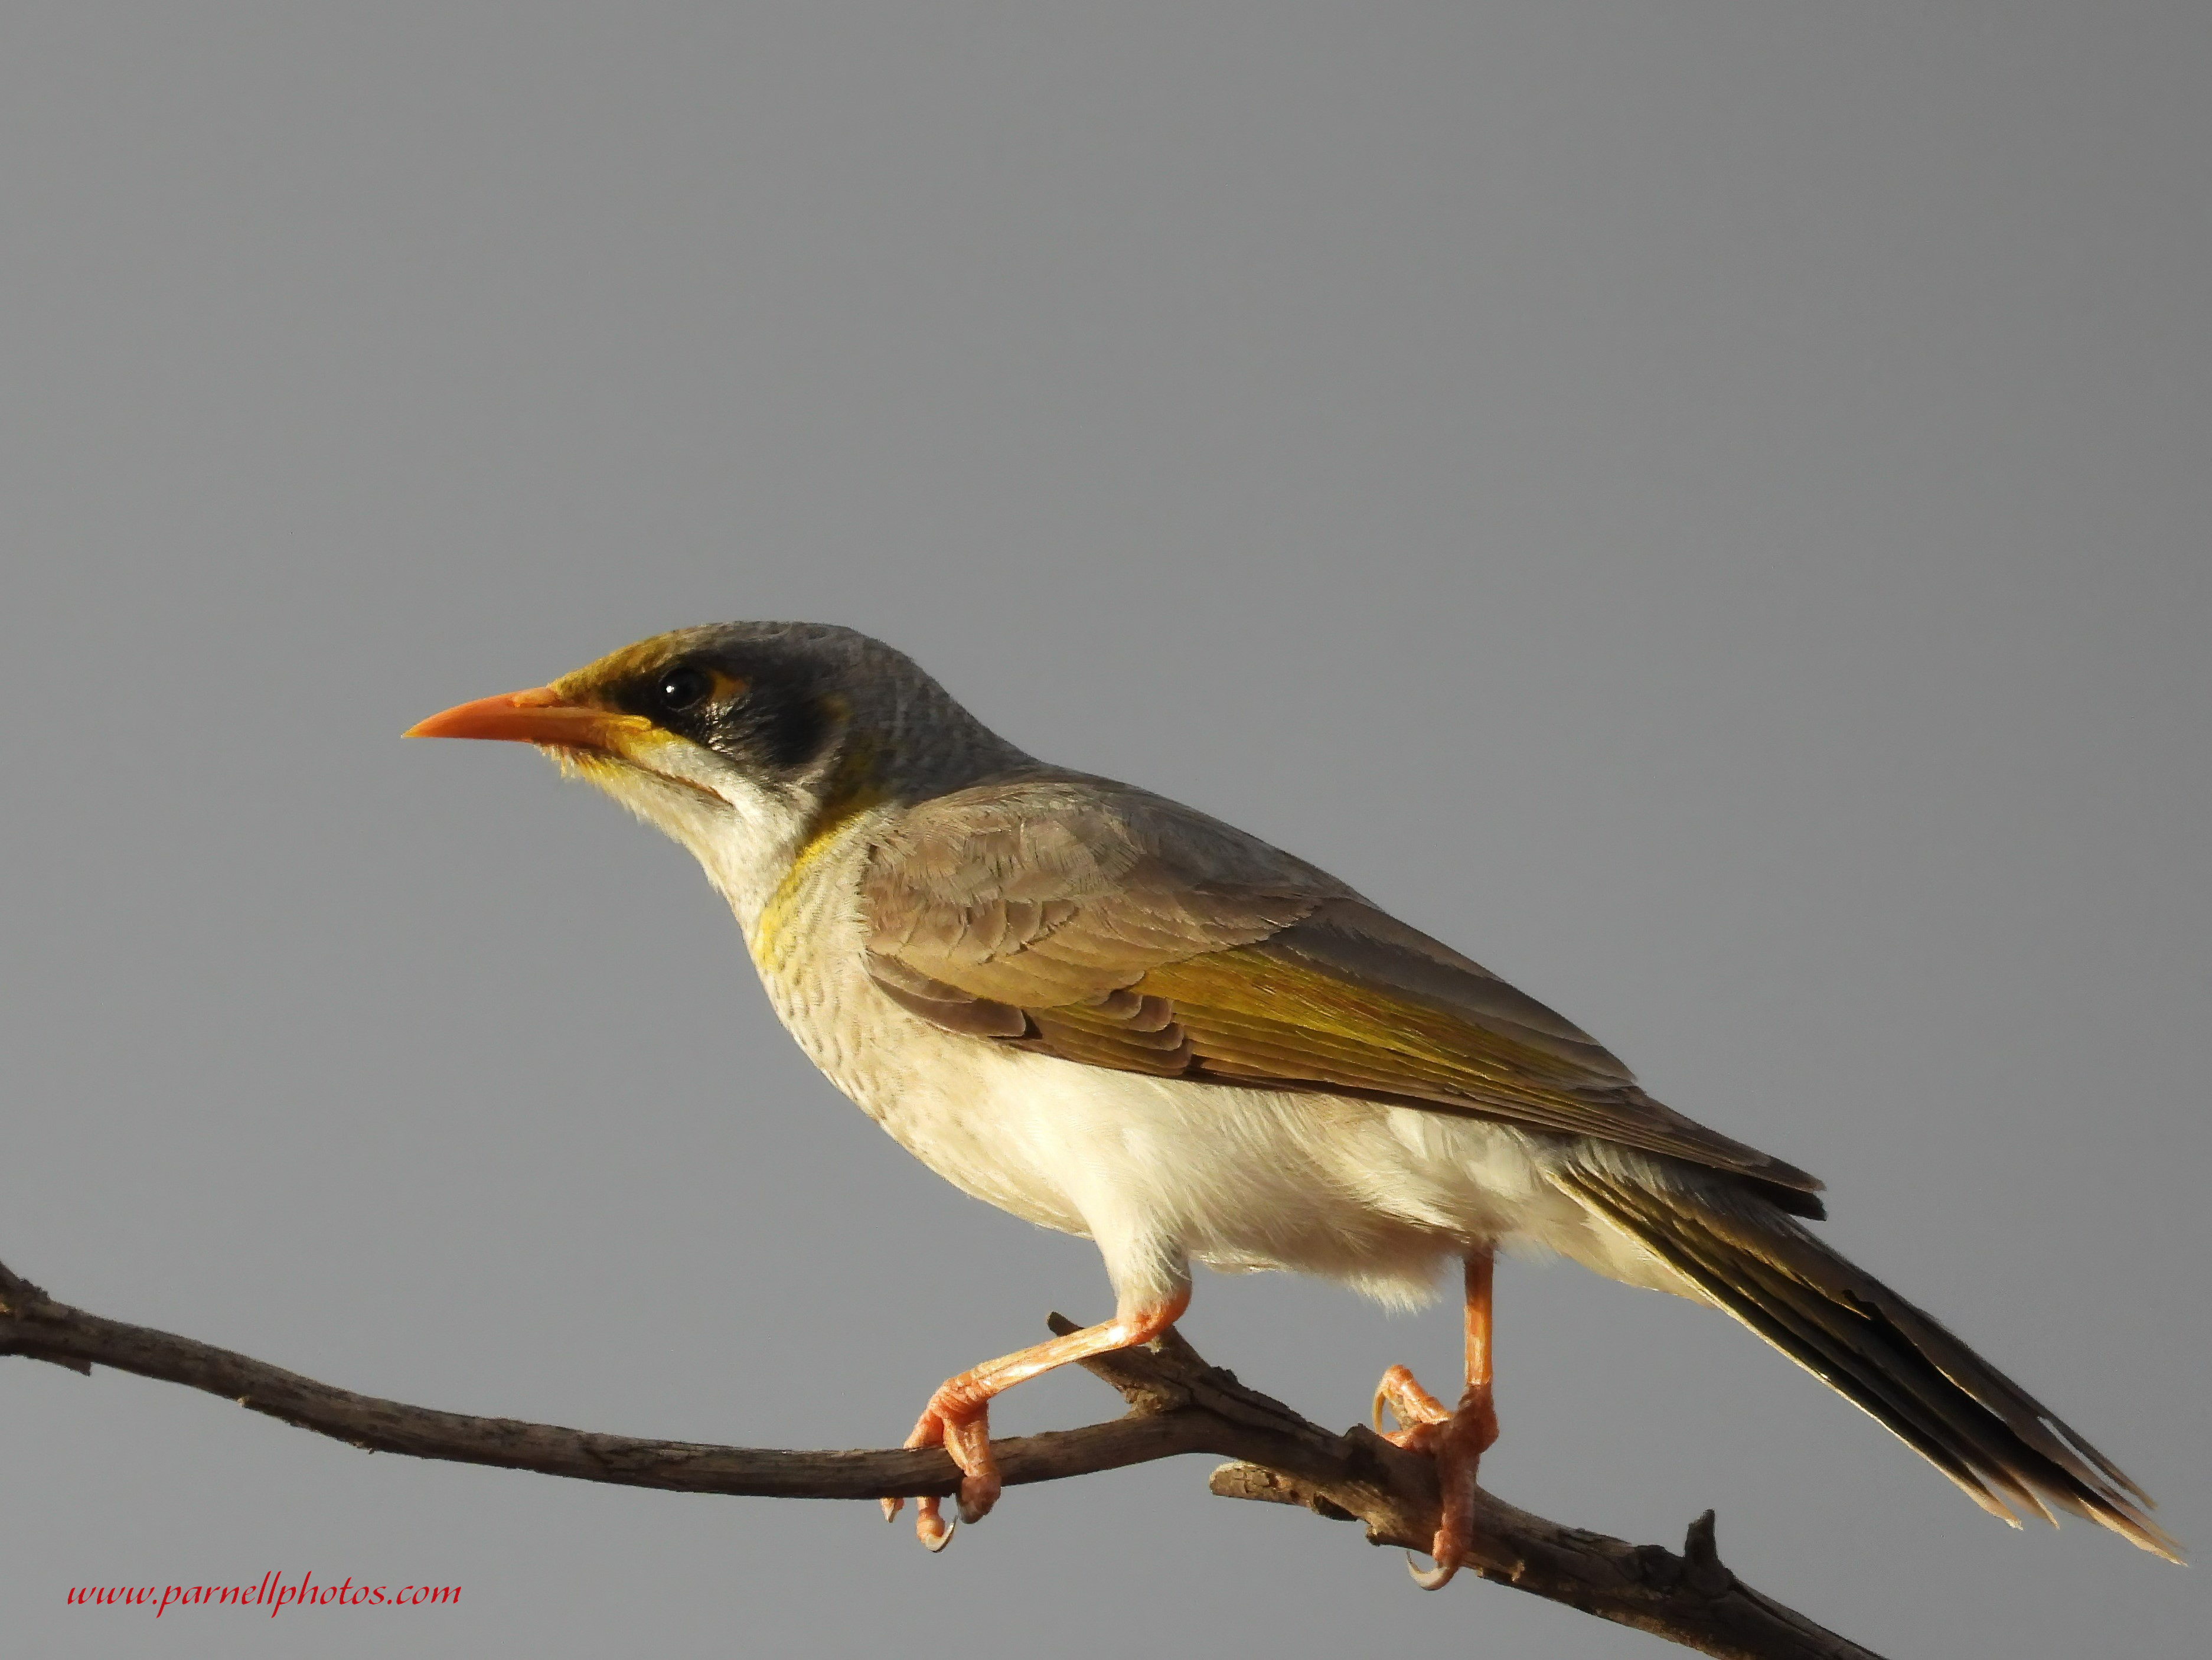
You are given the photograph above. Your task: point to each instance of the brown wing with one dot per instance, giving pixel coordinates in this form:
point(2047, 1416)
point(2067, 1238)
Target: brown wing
point(1109, 926)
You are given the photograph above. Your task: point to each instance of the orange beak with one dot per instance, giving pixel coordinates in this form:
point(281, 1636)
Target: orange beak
point(539, 715)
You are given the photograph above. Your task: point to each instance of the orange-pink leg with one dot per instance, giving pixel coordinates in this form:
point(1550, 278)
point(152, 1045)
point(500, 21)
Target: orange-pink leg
point(958, 1414)
point(1457, 1438)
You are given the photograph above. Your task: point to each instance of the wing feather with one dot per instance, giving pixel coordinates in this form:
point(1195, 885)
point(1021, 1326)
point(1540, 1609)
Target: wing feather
point(1116, 929)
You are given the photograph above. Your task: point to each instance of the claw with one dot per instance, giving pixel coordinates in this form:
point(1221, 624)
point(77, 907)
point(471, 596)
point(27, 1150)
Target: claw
point(1434, 1578)
point(891, 1508)
point(1381, 1400)
point(930, 1526)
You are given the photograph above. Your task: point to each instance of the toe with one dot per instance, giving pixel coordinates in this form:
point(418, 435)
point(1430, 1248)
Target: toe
point(978, 1494)
point(968, 1439)
point(930, 1525)
point(1413, 1406)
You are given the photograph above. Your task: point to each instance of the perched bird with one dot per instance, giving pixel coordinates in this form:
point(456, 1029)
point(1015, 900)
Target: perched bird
point(1113, 1015)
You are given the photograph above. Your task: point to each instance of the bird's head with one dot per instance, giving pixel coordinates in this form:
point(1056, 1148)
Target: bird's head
point(746, 741)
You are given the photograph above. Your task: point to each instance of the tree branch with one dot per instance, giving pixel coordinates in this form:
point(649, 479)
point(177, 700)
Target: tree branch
point(1178, 1404)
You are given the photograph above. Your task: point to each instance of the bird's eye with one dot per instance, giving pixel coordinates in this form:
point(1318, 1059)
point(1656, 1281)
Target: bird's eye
point(684, 687)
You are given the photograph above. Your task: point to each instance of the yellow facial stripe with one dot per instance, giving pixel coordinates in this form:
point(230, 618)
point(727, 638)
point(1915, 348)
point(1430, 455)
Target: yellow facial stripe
point(852, 791)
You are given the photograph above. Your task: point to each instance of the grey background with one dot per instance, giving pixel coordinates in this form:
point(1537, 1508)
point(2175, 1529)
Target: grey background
point(1703, 506)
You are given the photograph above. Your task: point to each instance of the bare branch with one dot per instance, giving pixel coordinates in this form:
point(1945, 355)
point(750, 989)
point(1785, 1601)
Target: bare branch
point(1178, 1404)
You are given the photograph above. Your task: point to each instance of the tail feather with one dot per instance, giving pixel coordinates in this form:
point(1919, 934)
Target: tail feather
point(2005, 1450)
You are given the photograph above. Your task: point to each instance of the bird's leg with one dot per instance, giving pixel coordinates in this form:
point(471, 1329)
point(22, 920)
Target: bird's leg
point(1456, 1438)
point(957, 1416)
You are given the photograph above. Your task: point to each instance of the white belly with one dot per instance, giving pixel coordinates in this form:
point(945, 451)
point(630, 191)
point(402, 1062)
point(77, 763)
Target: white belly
point(1162, 1172)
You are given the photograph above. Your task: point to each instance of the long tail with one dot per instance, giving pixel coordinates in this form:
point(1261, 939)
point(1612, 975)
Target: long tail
point(2005, 1448)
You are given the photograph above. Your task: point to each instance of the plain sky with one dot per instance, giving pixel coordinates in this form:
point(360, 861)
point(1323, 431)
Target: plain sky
point(1705, 507)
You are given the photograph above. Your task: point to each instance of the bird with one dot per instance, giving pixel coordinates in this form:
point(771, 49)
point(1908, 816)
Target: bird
point(1113, 1015)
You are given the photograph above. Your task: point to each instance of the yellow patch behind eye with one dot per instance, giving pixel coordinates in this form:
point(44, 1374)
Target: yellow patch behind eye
point(728, 688)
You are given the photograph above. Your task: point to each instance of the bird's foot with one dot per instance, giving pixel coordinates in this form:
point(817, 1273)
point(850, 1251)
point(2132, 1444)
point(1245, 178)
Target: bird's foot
point(1457, 1438)
point(957, 1419)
